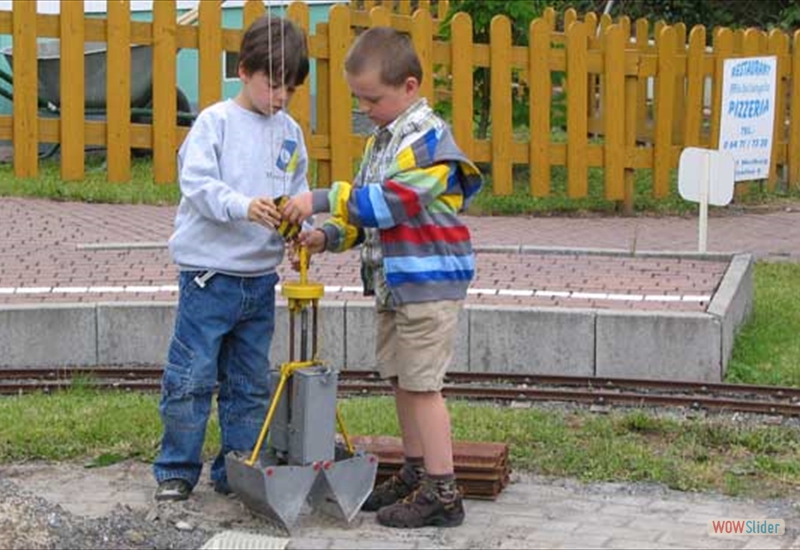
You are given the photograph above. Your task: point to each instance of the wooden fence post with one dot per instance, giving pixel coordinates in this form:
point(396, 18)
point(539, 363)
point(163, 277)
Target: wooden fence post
point(340, 102)
point(72, 91)
point(577, 122)
point(461, 68)
point(501, 104)
point(422, 38)
point(118, 91)
point(794, 115)
point(25, 109)
point(210, 54)
point(541, 96)
point(300, 106)
point(665, 90)
point(779, 47)
point(695, 87)
point(614, 102)
point(164, 93)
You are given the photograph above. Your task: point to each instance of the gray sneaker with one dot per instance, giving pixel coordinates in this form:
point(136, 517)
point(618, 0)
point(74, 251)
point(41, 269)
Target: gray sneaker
point(173, 489)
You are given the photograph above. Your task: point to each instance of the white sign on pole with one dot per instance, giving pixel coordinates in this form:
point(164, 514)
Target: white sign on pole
point(748, 114)
point(705, 176)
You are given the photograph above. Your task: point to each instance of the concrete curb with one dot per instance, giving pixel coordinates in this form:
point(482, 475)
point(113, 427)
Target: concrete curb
point(533, 340)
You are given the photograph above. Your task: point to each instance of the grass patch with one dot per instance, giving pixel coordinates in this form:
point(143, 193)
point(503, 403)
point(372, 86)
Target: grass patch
point(94, 188)
point(758, 461)
point(141, 190)
point(521, 201)
point(768, 346)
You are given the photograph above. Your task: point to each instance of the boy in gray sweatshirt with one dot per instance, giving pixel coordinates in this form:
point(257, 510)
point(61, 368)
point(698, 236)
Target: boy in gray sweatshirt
point(240, 155)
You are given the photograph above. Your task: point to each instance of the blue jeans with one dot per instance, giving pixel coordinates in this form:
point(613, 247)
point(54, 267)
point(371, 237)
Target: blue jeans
point(223, 333)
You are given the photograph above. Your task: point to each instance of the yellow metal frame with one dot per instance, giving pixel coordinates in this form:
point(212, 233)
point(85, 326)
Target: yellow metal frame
point(300, 295)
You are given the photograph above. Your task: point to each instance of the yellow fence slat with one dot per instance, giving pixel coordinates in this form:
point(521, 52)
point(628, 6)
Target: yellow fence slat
point(118, 92)
point(631, 89)
point(72, 91)
point(778, 45)
point(463, 102)
point(751, 43)
point(625, 23)
point(570, 16)
point(738, 41)
point(422, 38)
point(794, 115)
point(747, 43)
point(210, 54)
point(695, 85)
point(577, 127)
point(679, 107)
point(26, 133)
point(613, 103)
point(590, 22)
point(550, 16)
point(253, 9)
point(164, 93)
point(723, 48)
point(323, 122)
point(403, 8)
point(380, 16)
point(665, 88)
point(643, 47)
point(501, 107)
point(340, 103)
point(541, 94)
point(442, 9)
point(300, 106)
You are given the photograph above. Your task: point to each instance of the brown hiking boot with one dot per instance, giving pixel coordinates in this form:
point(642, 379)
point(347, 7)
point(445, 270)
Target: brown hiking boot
point(423, 508)
point(394, 489)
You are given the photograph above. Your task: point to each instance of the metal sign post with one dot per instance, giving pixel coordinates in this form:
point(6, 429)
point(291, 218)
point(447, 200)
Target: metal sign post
point(705, 176)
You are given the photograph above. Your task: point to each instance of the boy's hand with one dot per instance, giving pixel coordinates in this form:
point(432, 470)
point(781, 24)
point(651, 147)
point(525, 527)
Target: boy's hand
point(314, 240)
point(294, 255)
point(263, 210)
point(297, 208)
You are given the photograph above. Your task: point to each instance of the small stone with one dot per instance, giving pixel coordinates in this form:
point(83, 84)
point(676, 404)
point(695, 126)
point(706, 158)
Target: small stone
point(53, 520)
point(134, 537)
point(184, 526)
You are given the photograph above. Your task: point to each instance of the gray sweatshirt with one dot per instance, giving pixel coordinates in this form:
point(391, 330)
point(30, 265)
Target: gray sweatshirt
point(231, 156)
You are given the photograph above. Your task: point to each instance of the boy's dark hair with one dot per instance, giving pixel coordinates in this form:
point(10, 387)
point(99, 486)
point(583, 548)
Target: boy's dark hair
point(388, 50)
point(276, 46)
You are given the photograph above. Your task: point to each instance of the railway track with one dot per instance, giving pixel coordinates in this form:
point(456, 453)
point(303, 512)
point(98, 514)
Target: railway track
point(771, 400)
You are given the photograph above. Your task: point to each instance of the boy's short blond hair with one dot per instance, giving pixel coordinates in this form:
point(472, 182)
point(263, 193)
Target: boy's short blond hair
point(388, 50)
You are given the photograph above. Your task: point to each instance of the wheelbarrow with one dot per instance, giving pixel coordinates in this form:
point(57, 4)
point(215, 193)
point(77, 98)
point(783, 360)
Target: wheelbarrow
point(95, 70)
point(302, 462)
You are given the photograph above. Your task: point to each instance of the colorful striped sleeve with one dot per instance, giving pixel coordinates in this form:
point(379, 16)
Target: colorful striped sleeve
point(394, 201)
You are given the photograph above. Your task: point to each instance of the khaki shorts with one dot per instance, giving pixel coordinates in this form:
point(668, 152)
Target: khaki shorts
point(416, 342)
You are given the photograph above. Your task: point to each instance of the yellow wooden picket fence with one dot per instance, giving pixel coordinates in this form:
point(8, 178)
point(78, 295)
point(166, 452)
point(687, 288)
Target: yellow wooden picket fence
point(634, 99)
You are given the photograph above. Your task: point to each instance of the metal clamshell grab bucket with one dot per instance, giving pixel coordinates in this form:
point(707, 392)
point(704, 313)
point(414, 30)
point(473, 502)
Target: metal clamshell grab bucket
point(302, 463)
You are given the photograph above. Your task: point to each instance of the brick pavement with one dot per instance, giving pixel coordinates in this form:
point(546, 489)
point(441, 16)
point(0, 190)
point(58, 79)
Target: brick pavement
point(77, 252)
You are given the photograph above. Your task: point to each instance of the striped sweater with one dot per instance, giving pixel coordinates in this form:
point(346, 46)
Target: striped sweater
point(427, 251)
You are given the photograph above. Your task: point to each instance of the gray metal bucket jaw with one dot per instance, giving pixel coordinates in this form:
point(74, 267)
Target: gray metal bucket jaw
point(342, 487)
point(276, 493)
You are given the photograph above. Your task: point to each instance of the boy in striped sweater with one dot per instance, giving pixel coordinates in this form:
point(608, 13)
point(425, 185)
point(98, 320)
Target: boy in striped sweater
point(417, 261)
